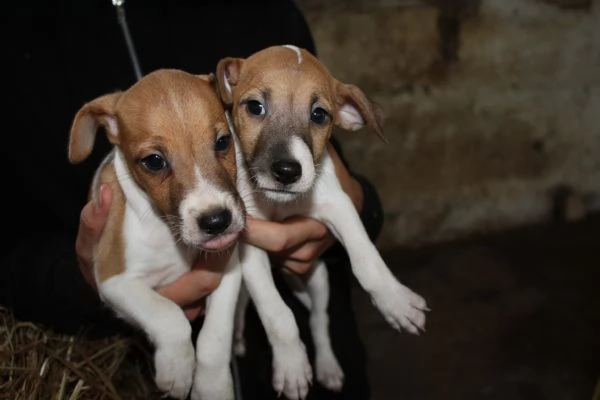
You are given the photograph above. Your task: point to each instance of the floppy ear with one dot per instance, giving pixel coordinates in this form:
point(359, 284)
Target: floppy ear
point(96, 113)
point(228, 72)
point(354, 110)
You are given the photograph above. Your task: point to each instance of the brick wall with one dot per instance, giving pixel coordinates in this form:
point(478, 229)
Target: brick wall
point(493, 108)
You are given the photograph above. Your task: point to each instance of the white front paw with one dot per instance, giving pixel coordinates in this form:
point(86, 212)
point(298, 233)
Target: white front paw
point(292, 373)
point(212, 383)
point(174, 365)
point(401, 307)
point(329, 372)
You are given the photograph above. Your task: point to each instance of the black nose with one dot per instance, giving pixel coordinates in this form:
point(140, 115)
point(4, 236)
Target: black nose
point(215, 222)
point(286, 172)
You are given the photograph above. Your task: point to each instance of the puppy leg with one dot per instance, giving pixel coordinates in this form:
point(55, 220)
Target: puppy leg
point(292, 373)
point(401, 307)
point(164, 323)
point(239, 343)
point(328, 369)
point(314, 295)
point(213, 380)
point(297, 284)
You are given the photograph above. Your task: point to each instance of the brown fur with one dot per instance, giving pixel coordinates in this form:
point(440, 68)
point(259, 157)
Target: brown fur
point(287, 88)
point(141, 132)
point(139, 122)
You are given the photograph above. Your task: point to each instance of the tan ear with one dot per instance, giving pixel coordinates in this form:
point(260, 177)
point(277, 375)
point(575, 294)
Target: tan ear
point(354, 110)
point(228, 72)
point(96, 113)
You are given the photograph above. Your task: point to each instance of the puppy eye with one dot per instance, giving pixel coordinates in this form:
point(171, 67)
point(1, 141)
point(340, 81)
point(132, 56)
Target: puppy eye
point(154, 163)
point(222, 143)
point(254, 107)
point(319, 116)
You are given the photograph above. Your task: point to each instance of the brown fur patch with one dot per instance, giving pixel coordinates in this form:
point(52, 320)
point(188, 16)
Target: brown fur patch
point(179, 119)
point(289, 90)
point(171, 114)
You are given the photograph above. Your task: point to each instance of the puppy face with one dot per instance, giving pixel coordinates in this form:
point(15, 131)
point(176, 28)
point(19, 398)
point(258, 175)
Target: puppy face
point(284, 106)
point(171, 130)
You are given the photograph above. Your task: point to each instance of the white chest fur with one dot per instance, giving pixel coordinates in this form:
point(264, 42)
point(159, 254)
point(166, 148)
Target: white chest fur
point(153, 255)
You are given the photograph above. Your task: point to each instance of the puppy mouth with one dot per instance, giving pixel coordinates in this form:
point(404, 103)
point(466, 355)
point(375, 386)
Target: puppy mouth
point(279, 195)
point(282, 191)
point(267, 185)
point(220, 243)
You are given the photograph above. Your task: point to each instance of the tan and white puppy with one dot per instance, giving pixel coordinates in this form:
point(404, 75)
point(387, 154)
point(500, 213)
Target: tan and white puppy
point(173, 176)
point(284, 104)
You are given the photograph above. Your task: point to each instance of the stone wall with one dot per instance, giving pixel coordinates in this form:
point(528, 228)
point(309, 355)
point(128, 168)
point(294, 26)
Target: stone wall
point(493, 108)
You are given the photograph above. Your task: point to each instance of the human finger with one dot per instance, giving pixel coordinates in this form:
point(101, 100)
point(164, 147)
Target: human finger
point(279, 236)
point(91, 223)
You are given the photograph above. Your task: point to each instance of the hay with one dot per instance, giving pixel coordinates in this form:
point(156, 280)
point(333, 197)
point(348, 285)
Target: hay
point(36, 364)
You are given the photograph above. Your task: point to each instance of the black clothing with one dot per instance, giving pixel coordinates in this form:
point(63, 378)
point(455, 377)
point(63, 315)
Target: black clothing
point(59, 54)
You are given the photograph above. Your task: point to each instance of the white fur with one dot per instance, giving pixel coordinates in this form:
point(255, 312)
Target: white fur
point(351, 117)
point(164, 323)
point(301, 153)
point(212, 379)
point(328, 369)
point(327, 202)
point(227, 87)
point(292, 373)
point(319, 195)
point(400, 306)
point(153, 258)
point(151, 253)
point(296, 50)
point(204, 196)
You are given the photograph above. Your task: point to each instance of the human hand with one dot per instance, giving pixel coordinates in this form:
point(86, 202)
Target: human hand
point(91, 223)
point(294, 243)
point(297, 242)
point(188, 291)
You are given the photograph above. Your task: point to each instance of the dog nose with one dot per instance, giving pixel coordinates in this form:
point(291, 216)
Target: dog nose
point(286, 172)
point(215, 222)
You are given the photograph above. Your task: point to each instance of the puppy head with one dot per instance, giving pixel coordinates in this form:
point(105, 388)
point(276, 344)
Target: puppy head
point(171, 132)
point(284, 105)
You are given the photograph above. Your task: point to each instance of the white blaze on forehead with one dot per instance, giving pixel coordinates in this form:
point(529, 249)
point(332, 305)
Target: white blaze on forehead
point(300, 151)
point(177, 105)
point(171, 104)
point(296, 50)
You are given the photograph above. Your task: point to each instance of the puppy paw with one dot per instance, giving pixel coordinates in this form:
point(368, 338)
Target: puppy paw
point(175, 369)
point(292, 373)
point(329, 372)
point(402, 308)
point(212, 383)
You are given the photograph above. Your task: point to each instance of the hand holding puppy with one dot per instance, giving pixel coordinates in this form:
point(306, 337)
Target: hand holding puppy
point(188, 291)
